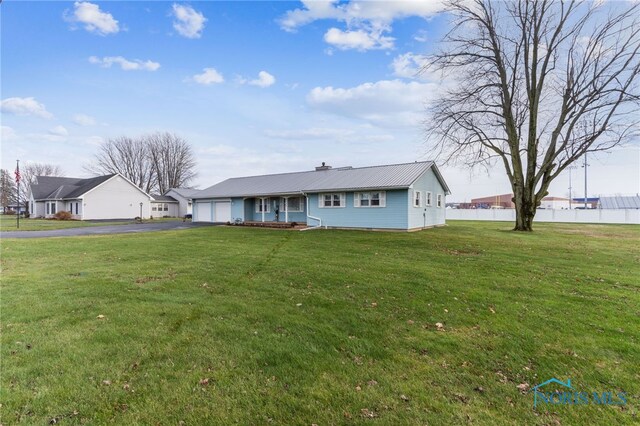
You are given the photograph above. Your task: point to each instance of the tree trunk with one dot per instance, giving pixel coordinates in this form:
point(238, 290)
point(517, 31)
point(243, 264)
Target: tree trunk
point(525, 209)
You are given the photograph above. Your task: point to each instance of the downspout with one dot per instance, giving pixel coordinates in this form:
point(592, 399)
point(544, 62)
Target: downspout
point(319, 225)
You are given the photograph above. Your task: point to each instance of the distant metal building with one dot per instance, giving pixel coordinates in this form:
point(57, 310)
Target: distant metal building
point(619, 202)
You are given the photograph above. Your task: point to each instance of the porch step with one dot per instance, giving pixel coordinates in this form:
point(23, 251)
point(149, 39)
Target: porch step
point(278, 225)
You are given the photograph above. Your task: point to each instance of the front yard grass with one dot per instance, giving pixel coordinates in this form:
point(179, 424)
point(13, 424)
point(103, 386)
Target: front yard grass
point(225, 325)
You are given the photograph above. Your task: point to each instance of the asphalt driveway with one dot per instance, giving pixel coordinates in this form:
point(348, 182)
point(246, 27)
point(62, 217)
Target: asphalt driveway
point(107, 229)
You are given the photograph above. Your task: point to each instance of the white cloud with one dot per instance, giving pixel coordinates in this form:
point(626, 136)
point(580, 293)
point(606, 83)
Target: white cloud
point(59, 131)
point(125, 64)
point(421, 36)
point(24, 106)
point(366, 21)
point(363, 135)
point(84, 120)
point(311, 133)
point(408, 65)
point(264, 80)
point(386, 103)
point(94, 140)
point(7, 133)
point(209, 76)
point(188, 22)
point(358, 39)
point(94, 19)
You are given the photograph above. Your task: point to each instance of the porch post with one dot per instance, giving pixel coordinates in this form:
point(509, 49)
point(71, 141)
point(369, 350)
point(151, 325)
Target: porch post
point(262, 207)
point(286, 209)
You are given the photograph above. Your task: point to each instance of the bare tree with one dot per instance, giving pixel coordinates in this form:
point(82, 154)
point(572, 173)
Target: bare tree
point(154, 162)
point(7, 189)
point(28, 173)
point(127, 156)
point(538, 84)
point(172, 160)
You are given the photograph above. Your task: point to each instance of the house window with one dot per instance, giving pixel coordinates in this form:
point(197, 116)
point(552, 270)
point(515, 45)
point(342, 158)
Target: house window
point(295, 204)
point(332, 200)
point(439, 200)
point(417, 199)
point(427, 200)
point(47, 206)
point(76, 208)
point(154, 208)
point(262, 205)
point(51, 207)
point(370, 199)
point(166, 207)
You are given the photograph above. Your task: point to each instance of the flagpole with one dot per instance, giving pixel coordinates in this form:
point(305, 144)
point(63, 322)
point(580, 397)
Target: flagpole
point(18, 193)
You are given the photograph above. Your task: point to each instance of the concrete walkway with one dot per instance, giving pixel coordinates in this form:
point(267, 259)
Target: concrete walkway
point(107, 229)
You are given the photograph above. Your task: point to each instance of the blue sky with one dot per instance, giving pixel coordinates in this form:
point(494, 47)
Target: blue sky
point(255, 87)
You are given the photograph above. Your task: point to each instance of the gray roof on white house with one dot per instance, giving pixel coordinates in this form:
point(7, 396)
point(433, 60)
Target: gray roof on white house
point(620, 202)
point(393, 176)
point(184, 192)
point(56, 188)
point(163, 198)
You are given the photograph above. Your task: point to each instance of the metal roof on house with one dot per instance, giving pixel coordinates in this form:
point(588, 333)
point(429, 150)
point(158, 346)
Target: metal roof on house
point(394, 176)
point(56, 188)
point(184, 192)
point(620, 202)
point(163, 198)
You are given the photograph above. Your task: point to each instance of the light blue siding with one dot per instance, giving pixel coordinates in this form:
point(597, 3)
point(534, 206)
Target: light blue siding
point(252, 215)
point(393, 216)
point(426, 216)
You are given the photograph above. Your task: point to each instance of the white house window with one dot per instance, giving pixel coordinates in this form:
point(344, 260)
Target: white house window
point(332, 200)
point(427, 200)
point(417, 199)
point(439, 200)
point(166, 207)
point(370, 199)
point(154, 208)
point(47, 205)
point(76, 208)
point(262, 205)
point(51, 208)
point(295, 204)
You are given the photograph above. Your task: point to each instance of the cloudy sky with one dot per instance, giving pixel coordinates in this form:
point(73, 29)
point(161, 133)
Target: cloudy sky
point(255, 87)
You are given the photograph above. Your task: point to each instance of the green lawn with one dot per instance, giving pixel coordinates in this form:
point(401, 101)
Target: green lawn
point(225, 325)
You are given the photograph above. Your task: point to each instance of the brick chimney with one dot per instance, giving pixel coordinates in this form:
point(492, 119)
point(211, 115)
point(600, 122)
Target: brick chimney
point(323, 167)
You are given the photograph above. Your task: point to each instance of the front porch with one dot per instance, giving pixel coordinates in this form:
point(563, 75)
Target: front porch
point(275, 210)
point(275, 225)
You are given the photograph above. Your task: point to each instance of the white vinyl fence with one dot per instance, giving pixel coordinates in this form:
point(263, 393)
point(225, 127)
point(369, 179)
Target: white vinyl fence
point(624, 216)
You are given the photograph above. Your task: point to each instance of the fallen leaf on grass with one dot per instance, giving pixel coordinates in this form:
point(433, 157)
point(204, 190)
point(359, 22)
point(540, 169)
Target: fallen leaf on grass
point(493, 311)
point(204, 382)
point(365, 412)
point(440, 326)
point(523, 387)
point(479, 389)
point(358, 388)
point(100, 316)
point(405, 398)
point(372, 383)
point(106, 382)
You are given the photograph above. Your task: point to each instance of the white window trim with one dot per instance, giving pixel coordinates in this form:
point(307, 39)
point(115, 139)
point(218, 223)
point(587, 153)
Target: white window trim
point(419, 199)
point(265, 202)
point(357, 199)
point(428, 198)
point(343, 200)
point(300, 208)
point(439, 202)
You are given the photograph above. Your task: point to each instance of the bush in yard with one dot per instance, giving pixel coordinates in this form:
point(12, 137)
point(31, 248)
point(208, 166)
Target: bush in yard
point(62, 215)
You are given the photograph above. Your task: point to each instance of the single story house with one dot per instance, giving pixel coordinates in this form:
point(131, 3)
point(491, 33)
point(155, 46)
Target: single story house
point(406, 197)
point(102, 197)
point(183, 196)
point(164, 206)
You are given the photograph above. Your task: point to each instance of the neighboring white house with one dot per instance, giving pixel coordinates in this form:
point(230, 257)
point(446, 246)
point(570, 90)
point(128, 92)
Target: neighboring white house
point(164, 206)
point(555, 203)
point(183, 196)
point(103, 197)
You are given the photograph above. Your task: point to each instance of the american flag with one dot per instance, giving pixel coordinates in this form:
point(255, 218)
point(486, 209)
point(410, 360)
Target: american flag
point(17, 173)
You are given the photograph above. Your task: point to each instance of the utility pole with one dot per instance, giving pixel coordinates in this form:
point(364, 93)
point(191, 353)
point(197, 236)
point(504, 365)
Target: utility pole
point(585, 180)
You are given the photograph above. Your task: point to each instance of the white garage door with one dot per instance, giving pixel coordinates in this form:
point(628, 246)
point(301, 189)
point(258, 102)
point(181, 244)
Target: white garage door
point(223, 211)
point(203, 212)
